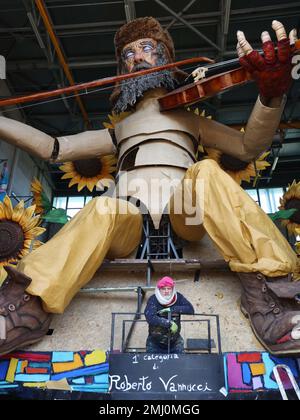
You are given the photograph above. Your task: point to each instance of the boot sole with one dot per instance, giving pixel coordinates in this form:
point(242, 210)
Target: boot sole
point(275, 352)
point(35, 337)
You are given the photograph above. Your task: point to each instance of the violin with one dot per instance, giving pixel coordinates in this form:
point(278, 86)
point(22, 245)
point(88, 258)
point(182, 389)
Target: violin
point(215, 83)
point(205, 88)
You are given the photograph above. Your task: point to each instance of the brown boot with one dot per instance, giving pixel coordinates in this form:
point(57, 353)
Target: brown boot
point(271, 304)
point(23, 320)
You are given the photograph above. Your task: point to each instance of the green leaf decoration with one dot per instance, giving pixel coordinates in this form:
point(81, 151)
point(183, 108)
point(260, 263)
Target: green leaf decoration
point(56, 216)
point(282, 214)
point(45, 202)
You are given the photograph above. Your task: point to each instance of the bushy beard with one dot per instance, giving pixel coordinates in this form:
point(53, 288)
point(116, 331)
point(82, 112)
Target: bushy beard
point(132, 89)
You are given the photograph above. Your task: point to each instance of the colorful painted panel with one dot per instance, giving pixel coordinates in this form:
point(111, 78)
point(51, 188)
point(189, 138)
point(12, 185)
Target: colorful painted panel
point(84, 371)
point(88, 371)
point(248, 372)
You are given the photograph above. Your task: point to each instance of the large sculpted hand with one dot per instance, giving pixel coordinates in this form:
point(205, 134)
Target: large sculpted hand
point(272, 70)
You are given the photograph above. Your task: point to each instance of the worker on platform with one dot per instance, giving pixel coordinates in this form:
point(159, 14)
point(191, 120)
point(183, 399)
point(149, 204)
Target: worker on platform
point(163, 312)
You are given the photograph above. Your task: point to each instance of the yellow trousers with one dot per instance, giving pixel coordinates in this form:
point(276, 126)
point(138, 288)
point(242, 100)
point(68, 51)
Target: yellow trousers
point(59, 268)
point(243, 233)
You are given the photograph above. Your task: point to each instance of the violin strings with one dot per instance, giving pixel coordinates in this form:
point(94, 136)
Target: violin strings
point(85, 92)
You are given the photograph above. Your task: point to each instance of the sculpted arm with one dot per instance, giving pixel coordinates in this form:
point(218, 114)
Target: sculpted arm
point(257, 137)
point(85, 145)
point(272, 74)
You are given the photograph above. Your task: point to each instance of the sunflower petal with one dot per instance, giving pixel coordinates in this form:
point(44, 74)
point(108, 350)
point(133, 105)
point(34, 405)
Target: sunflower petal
point(67, 167)
point(8, 208)
point(26, 216)
point(27, 243)
point(263, 156)
point(262, 165)
point(23, 253)
point(91, 184)
point(2, 212)
point(74, 181)
point(18, 212)
point(200, 148)
point(108, 125)
point(36, 186)
point(81, 184)
point(32, 223)
point(37, 231)
point(37, 244)
point(68, 175)
point(3, 275)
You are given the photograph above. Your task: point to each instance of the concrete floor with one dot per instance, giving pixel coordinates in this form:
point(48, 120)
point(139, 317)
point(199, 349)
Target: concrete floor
point(86, 324)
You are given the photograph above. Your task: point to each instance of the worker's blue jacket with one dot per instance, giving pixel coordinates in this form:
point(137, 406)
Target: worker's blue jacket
point(159, 325)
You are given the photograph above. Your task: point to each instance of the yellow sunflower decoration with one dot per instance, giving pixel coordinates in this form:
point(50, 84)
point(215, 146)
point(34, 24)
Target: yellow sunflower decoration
point(114, 119)
point(18, 231)
point(236, 168)
point(291, 200)
point(297, 247)
point(90, 172)
point(37, 189)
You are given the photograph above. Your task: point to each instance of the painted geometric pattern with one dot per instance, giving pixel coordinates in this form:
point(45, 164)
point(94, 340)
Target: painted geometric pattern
point(84, 371)
point(247, 372)
point(87, 371)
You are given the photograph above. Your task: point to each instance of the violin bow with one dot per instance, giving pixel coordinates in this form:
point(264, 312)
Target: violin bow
point(96, 83)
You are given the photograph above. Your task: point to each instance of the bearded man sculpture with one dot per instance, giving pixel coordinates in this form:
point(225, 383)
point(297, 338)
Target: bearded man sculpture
point(154, 145)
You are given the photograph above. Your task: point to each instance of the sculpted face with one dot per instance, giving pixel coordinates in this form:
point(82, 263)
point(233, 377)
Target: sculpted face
point(140, 54)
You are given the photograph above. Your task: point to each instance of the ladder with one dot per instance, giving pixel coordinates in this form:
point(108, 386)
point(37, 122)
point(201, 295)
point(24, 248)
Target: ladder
point(157, 243)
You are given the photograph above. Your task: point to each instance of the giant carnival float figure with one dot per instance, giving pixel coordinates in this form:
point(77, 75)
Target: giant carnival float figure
point(161, 145)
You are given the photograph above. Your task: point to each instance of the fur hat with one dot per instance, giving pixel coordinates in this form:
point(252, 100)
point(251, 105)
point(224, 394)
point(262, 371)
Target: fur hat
point(144, 27)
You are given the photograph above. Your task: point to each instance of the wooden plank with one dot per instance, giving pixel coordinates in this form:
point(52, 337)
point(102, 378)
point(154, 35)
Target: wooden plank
point(164, 265)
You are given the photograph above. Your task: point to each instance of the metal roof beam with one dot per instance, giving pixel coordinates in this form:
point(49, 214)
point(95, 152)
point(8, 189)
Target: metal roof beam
point(34, 22)
point(129, 10)
point(180, 14)
point(210, 18)
point(60, 54)
point(226, 9)
point(186, 23)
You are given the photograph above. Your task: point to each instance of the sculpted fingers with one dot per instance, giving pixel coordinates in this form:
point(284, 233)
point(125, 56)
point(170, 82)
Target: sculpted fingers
point(271, 70)
point(265, 37)
point(243, 59)
point(279, 30)
point(244, 44)
point(253, 57)
point(293, 36)
point(239, 50)
point(268, 48)
point(284, 50)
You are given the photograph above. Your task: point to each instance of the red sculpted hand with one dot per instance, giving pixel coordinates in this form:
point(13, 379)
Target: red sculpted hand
point(272, 71)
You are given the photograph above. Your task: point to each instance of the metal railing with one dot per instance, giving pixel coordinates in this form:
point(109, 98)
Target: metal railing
point(208, 342)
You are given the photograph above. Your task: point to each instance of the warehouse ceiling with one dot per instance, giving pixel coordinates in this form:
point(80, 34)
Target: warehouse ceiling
point(85, 30)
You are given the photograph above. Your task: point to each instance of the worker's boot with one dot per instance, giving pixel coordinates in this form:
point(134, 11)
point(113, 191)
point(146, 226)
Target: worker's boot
point(23, 320)
point(272, 306)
